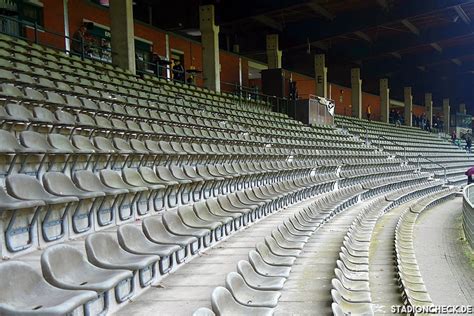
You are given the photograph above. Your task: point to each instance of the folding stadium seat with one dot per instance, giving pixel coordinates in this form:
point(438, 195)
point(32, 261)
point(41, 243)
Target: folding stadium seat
point(53, 216)
point(45, 300)
point(232, 202)
point(175, 225)
point(223, 303)
point(195, 189)
point(179, 190)
point(265, 269)
point(18, 225)
point(244, 214)
point(104, 251)
point(150, 201)
point(190, 219)
point(248, 296)
point(157, 232)
point(134, 240)
point(81, 217)
point(134, 203)
point(39, 143)
point(112, 286)
point(257, 281)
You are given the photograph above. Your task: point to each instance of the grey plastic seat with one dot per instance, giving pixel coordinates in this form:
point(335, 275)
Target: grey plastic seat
point(104, 251)
point(175, 225)
point(28, 188)
point(223, 303)
point(17, 297)
point(11, 211)
point(348, 295)
point(257, 281)
point(80, 274)
point(352, 285)
point(203, 311)
point(269, 257)
point(114, 198)
point(351, 308)
point(59, 184)
point(133, 239)
point(278, 250)
point(154, 199)
point(265, 269)
point(248, 296)
point(156, 231)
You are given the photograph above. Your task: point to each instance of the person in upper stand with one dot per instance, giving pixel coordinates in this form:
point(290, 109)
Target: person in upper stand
point(178, 71)
point(468, 139)
point(453, 137)
point(80, 38)
point(369, 111)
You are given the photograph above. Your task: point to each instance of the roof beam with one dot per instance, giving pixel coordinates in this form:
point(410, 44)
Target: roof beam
point(383, 66)
point(320, 10)
point(271, 23)
point(364, 19)
point(363, 36)
point(411, 27)
point(462, 14)
point(436, 46)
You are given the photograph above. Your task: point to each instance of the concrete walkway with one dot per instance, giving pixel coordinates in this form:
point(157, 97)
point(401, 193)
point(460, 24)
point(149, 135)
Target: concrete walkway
point(382, 276)
point(308, 288)
point(190, 287)
point(442, 256)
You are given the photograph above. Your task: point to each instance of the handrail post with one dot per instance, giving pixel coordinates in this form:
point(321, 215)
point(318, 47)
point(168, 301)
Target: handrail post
point(82, 48)
point(36, 32)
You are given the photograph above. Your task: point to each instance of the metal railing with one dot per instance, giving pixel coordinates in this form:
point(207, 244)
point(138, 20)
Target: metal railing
point(432, 161)
point(468, 214)
point(347, 125)
point(396, 144)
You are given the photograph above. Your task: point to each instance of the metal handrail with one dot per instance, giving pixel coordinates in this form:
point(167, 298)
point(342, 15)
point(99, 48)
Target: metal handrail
point(468, 214)
point(435, 162)
point(362, 126)
point(396, 144)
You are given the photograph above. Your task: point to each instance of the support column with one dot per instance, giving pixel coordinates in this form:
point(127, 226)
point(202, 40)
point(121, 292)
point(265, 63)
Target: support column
point(321, 73)
point(384, 100)
point(122, 34)
point(210, 48)
point(408, 106)
point(446, 115)
point(462, 108)
point(356, 84)
point(273, 53)
point(429, 108)
point(67, 42)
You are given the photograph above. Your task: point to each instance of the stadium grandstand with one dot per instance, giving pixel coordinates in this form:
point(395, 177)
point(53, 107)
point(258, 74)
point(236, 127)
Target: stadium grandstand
point(211, 157)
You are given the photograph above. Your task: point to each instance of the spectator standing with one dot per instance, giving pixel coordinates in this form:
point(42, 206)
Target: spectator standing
point(178, 71)
point(369, 111)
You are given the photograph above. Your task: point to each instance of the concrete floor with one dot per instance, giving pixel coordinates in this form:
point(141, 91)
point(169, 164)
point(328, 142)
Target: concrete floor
point(445, 261)
point(308, 289)
point(382, 274)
